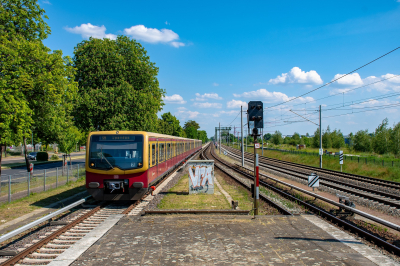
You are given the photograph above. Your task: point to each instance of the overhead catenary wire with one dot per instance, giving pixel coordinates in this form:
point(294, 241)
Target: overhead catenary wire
point(326, 84)
point(349, 90)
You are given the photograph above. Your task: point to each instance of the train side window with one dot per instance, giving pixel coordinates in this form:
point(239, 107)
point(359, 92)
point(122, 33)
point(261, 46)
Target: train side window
point(169, 151)
point(153, 154)
point(161, 152)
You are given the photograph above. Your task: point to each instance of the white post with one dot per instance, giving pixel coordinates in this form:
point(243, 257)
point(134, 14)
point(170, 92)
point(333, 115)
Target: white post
point(9, 188)
point(29, 184)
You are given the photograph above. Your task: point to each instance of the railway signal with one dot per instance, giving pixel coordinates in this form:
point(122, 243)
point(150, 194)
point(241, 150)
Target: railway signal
point(255, 118)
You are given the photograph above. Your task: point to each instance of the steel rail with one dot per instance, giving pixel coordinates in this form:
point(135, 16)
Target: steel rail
point(324, 181)
point(41, 220)
point(196, 212)
point(372, 180)
point(337, 220)
point(44, 241)
point(364, 214)
point(267, 200)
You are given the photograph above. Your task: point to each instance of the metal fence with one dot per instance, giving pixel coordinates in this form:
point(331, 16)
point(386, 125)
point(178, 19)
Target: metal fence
point(20, 185)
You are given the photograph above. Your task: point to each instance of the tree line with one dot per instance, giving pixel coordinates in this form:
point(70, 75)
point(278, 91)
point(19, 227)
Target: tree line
point(383, 140)
point(106, 85)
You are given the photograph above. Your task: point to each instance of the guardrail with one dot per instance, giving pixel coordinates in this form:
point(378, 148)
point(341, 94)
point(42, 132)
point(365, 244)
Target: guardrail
point(41, 220)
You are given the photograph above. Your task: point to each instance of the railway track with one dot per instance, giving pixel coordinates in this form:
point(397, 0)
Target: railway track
point(316, 210)
point(365, 189)
point(218, 164)
point(49, 247)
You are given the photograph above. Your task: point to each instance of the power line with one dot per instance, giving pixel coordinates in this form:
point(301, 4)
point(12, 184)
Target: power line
point(233, 119)
point(326, 84)
point(366, 85)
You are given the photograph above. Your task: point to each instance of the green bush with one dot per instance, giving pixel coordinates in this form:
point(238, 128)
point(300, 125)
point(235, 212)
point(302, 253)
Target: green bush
point(54, 157)
point(42, 156)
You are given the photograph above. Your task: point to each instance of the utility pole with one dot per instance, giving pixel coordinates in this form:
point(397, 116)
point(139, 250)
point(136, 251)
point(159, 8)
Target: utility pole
point(262, 142)
point(241, 126)
point(219, 137)
point(320, 138)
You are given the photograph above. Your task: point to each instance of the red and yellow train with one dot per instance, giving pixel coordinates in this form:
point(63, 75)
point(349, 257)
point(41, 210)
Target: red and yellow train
point(123, 165)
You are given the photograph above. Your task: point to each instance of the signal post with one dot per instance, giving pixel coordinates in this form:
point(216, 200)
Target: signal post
point(255, 114)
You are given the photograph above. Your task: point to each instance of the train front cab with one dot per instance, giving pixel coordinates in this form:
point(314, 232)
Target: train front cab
point(117, 165)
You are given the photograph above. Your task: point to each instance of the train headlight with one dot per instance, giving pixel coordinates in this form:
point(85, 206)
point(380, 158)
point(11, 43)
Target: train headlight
point(140, 164)
point(91, 164)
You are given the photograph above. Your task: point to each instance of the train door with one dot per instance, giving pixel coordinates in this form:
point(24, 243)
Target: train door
point(157, 159)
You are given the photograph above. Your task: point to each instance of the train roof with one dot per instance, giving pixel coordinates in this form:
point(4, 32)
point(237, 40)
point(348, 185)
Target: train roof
point(150, 134)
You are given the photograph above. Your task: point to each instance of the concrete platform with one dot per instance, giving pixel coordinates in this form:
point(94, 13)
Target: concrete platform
point(228, 240)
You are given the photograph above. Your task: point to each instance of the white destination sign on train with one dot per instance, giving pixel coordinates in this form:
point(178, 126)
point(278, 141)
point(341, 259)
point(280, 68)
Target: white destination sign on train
point(201, 176)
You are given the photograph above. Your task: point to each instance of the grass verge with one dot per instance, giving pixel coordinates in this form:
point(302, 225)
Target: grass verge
point(17, 208)
point(178, 198)
point(332, 163)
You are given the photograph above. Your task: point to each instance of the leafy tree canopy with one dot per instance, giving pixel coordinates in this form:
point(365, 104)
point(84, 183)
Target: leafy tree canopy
point(170, 125)
point(118, 86)
point(191, 132)
point(191, 123)
point(23, 18)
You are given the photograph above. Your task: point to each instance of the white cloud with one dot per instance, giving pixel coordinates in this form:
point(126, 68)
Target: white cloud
point(175, 99)
point(391, 84)
point(208, 105)
point(46, 2)
point(177, 44)
point(185, 113)
point(352, 79)
point(207, 96)
point(263, 94)
point(236, 104)
point(167, 23)
point(89, 30)
point(296, 75)
point(140, 32)
point(215, 84)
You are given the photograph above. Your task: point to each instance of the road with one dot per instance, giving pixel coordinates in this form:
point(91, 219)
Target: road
point(20, 173)
point(21, 159)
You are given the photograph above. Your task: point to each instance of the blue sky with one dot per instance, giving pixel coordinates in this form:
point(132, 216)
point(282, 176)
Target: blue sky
point(214, 56)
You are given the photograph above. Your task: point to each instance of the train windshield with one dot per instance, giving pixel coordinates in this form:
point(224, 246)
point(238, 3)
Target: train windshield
point(122, 151)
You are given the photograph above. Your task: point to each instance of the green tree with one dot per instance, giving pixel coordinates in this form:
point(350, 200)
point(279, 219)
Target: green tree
point(41, 82)
point(362, 141)
point(191, 123)
point(337, 139)
point(118, 86)
point(68, 139)
point(202, 135)
point(191, 133)
point(170, 125)
point(277, 138)
point(315, 139)
point(394, 139)
point(326, 139)
point(380, 141)
point(267, 136)
point(295, 139)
